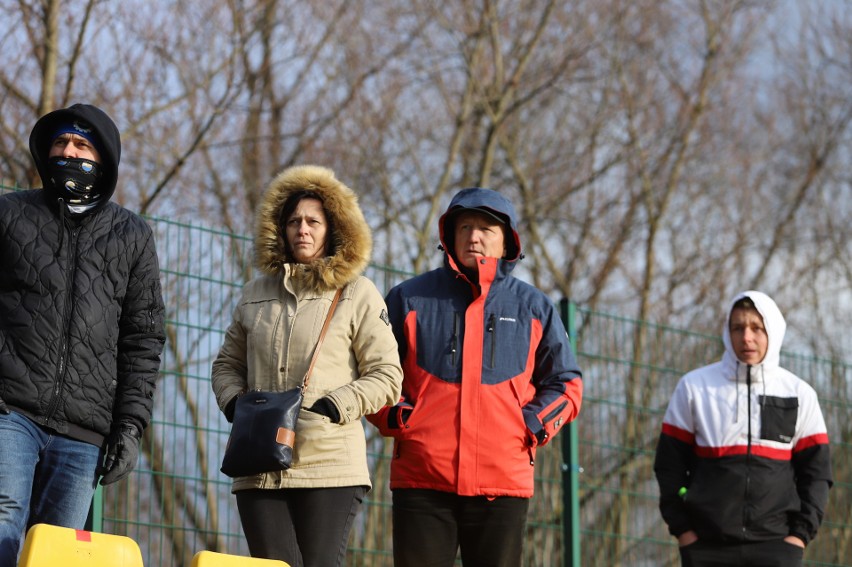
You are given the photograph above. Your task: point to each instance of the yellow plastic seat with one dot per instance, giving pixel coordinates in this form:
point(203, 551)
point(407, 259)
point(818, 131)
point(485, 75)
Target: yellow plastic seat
point(213, 559)
point(52, 546)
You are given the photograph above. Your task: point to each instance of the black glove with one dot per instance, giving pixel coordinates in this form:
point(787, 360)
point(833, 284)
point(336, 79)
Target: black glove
point(326, 407)
point(229, 409)
point(3, 409)
point(122, 451)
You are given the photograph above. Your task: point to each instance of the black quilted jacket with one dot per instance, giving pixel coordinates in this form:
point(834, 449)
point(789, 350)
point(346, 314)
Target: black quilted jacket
point(81, 310)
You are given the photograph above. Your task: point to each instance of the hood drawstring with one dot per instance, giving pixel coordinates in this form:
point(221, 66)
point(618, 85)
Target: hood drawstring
point(748, 393)
point(737, 397)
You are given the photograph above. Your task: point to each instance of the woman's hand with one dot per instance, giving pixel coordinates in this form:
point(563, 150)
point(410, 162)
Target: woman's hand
point(326, 407)
point(231, 406)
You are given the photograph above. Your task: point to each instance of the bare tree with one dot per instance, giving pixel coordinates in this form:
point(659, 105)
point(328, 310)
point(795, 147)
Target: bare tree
point(662, 155)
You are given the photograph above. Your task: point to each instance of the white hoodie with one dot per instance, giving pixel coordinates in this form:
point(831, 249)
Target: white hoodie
point(748, 442)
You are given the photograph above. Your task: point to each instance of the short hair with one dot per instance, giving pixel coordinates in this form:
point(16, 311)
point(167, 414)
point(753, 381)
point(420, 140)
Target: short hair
point(744, 303)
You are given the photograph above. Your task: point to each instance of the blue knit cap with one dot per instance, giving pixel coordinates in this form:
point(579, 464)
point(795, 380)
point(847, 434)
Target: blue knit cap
point(81, 129)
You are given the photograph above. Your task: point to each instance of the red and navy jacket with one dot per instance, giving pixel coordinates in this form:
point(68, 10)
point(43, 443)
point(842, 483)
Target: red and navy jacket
point(489, 373)
point(743, 454)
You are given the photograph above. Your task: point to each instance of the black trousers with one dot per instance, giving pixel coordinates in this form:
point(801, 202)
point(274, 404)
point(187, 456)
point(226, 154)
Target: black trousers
point(430, 526)
point(302, 526)
point(776, 553)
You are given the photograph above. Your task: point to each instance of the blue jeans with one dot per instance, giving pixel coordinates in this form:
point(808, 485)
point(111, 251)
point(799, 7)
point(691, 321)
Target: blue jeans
point(44, 478)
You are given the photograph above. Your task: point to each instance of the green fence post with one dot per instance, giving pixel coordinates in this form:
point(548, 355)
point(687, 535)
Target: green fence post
point(95, 519)
point(98, 510)
point(570, 462)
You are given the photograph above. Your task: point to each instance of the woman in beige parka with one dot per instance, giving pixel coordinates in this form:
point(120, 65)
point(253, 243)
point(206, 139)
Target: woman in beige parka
point(311, 239)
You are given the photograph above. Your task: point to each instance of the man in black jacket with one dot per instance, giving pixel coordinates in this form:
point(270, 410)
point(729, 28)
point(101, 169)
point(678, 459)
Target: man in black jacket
point(81, 328)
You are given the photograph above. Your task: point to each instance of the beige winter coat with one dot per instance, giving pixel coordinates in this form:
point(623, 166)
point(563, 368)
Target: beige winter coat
point(277, 322)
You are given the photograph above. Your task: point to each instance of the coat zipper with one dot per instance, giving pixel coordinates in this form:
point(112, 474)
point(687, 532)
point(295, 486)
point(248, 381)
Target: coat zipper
point(748, 453)
point(455, 338)
point(552, 415)
point(59, 381)
point(151, 305)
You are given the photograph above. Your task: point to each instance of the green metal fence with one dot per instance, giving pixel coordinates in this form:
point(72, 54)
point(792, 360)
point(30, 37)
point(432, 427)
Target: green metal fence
point(177, 502)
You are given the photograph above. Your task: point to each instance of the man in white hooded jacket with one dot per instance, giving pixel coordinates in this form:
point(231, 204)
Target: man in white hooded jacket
point(743, 459)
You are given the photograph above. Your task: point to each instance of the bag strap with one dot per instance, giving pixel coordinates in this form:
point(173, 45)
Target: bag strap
point(321, 338)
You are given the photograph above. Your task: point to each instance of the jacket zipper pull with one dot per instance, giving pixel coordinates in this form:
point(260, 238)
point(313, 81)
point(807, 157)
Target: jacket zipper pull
point(455, 338)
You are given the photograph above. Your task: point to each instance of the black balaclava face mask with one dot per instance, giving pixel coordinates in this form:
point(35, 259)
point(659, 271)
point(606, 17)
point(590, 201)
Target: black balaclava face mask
point(77, 181)
point(76, 187)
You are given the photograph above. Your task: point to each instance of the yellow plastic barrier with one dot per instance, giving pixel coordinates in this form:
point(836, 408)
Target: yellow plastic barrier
point(52, 546)
point(213, 559)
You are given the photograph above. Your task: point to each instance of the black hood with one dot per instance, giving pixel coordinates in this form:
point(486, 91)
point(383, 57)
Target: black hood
point(106, 133)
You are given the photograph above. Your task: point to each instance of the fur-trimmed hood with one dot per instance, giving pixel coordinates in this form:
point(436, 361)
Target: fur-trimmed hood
point(352, 239)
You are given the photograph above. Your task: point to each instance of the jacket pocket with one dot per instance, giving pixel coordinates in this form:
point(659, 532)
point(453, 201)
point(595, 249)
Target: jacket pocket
point(778, 418)
point(506, 345)
point(440, 334)
point(319, 442)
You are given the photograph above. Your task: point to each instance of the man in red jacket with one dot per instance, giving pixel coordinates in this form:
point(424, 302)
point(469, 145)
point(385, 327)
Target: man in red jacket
point(489, 376)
